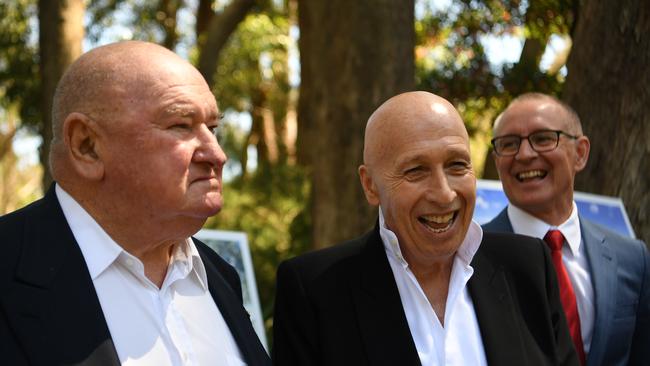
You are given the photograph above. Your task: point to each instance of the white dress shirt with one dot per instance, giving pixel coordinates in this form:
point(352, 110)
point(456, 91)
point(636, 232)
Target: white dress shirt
point(176, 324)
point(459, 342)
point(574, 259)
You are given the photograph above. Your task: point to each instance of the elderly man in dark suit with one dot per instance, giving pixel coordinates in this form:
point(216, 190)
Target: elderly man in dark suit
point(103, 269)
point(426, 286)
point(604, 278)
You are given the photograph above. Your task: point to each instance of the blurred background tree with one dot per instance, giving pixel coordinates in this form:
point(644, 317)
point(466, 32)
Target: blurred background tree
point(297, 80)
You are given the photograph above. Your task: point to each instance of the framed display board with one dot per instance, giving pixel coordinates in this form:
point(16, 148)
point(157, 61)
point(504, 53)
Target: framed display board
point(232, 246)
point(607, 211)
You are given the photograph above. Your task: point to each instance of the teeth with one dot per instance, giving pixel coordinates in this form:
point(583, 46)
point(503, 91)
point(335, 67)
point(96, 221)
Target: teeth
point(439, 219)
point(530, 174)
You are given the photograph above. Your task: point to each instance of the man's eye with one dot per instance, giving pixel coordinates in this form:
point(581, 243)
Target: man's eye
point(414, 173)
point(508, 144)
point(459, 166)
point(181, 126)
point(460, 163)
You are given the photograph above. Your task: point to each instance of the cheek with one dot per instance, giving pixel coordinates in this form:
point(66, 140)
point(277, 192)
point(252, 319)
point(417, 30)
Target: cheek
point(503, 166)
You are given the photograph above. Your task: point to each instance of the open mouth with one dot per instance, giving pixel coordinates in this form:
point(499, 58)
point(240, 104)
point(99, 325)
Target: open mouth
point(438, 223)
point(531, 174)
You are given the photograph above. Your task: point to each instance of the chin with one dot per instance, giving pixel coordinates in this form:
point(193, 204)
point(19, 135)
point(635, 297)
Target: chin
point(209, 211)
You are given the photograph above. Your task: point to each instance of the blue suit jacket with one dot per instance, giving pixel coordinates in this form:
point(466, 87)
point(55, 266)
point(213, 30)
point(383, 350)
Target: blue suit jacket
point(620, 273)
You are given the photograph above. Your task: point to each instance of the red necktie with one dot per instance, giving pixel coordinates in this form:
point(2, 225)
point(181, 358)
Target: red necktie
point(555, 239)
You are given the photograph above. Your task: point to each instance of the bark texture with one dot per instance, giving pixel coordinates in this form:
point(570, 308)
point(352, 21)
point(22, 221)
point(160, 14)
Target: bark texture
point(354, 56)
point(608, 85)
point(61, 32)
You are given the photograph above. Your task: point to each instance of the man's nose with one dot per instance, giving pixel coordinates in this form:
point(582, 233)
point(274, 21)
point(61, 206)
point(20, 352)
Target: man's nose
point(526, 150)
point(208, 150)
point(440, 191)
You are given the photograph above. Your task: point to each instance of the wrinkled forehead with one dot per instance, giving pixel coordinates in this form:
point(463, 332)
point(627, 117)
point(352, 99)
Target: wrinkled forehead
point(531, 115)
point(409, 124)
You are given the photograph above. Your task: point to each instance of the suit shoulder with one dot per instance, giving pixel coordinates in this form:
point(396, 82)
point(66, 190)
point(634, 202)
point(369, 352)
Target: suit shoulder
point(13, 219)
point(13, 227)
point(334, 258)
point(499, 223)
point(509, 242)
point(627, 250)
point(515, 252)
point(602, 232)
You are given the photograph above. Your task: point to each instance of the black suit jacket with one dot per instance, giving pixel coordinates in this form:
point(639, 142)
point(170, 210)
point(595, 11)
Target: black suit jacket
point(341, 306)
point(49, 310)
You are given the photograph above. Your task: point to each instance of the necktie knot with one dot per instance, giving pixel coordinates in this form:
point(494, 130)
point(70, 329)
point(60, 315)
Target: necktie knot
point(554, 239)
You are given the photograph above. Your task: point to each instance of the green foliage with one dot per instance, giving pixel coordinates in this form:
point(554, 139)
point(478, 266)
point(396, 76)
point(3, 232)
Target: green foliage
point(19, 72)
point(271, 210)
point(270, 205)
point(254, 60)
point(253, 75)
point(452, 62)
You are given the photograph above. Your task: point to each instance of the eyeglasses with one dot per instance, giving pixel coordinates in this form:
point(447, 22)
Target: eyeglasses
point(540, 141)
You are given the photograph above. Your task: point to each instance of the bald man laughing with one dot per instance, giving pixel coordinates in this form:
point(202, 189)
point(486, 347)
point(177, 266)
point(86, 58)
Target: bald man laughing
point(426, 286)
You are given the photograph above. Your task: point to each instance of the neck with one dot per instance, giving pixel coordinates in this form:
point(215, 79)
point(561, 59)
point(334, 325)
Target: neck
point(147, 237)
point(555, 217)
point(434, 281)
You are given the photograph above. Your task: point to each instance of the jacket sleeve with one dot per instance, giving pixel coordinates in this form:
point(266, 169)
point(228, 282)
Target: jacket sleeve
point(294, 321)
point(640, 348)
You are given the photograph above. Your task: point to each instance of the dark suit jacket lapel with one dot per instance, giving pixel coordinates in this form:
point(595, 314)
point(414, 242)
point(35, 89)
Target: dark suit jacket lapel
point(496, 313)
point(602, 265)
point(235, 315)
point(382, 322)
point(52, 304)
point(500, 223)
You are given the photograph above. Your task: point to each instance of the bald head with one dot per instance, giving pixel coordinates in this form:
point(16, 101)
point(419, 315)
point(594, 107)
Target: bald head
point(109, 81)
point(398, 115)
point(96, 82)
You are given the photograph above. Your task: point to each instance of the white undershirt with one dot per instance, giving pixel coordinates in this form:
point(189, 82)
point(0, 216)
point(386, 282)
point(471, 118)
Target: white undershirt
point(178, 324)
point(459, 342)
point(574, 259)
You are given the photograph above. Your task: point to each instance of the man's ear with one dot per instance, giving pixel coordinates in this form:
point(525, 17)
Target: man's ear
point(369, 188)
point(80, 134)
point(582, 152)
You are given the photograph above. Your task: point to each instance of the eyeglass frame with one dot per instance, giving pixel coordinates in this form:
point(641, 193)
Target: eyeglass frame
point(527, 137)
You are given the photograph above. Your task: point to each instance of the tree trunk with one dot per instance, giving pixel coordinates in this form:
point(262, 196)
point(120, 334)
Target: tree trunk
point(169, 10)
point(220, 28)
point(61, 32)
point(607, 84)
point(354, 56)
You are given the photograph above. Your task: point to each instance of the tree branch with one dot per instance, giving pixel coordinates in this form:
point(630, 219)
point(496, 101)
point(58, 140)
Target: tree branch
point(220, 28)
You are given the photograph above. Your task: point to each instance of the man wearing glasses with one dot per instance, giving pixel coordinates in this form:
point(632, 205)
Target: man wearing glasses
point(604, 278)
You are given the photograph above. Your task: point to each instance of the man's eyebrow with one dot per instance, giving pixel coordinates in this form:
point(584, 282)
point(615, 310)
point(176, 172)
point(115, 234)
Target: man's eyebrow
point(180, 110)
point(190, 111)
point(410, 159)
